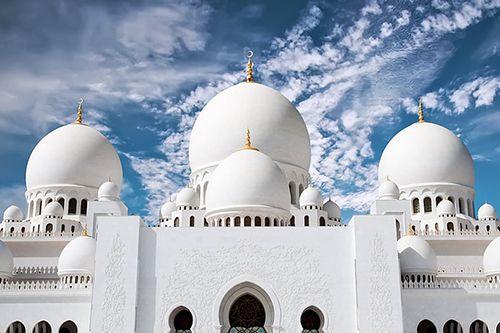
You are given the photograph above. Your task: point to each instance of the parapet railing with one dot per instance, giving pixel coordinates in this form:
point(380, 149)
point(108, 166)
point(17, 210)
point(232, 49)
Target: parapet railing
point(449, 269)
point(43, 285)
point(457, 233)
point(34, 270)
point(453, 284)
point(35, 234)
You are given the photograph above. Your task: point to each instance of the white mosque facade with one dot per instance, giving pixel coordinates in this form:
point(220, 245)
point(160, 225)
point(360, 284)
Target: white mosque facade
point(250, 246)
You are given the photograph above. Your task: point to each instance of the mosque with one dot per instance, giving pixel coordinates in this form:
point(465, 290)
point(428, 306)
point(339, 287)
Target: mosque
point(249, 246)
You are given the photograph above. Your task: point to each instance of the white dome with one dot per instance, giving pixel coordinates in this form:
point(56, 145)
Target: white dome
point(388, 190)
point(426, 153)
point(77, 258)
point(491, 258)
point(13, 213)
point(332, 209)
point(6, 261)
point(187, 197)
point(445, 207)
point(485, 212)
point(416, 256)
point(54, 208)
point(248, 180)
point(108, 191)
point(74, 154)
point(167, 209)
point(278, 129)
point(311, 197)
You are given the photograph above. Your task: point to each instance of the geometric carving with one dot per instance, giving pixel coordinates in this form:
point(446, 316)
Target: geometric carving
point(113, 319)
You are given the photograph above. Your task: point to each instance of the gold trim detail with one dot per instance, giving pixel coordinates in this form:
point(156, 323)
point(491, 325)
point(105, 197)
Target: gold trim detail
point(420, 111)
point(79, 118)
point(85, 234)
point(249, 67)
point(248, 144)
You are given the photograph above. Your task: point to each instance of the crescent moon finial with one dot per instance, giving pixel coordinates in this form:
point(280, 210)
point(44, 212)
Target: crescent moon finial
point(249, 66)
point(79, 118)
point(249, 54)
point(81, 101)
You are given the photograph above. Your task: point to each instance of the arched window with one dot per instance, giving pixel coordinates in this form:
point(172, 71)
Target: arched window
point(176, 222)
point(191, 221)
point(72, 206)
point(461, 205)
point(83, 207)
point(68, 327)
point(478, 327)
point(183, 322)
point(72, 229)
point(275, 222)
point(30, 209)
point(310, 321)
point(16, 327)
point(42, 327)
point(247, 315)
point(292, 221)
point(301, 189)
point(426, 326)
point(398, 228)
point(293, 192)
point(306, 220)
point(416, 206)
point(228, 222)
point(39, 207)
point(23, 230)
point(450, 227)
point(322, 221)
point(438, 200)
point(237, 221)
point(49, 227)
point(63, 227)
point(61, 202)
point(267, 222)
point(469, 208)
point(248, 221)
point(452, 326)
point(427, 205)
point(258, 222)
point(498, 328)
point(436, 226)
point(477, 228)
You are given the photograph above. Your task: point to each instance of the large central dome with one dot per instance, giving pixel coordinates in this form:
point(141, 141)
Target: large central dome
point(426, 153)
point(277, 127)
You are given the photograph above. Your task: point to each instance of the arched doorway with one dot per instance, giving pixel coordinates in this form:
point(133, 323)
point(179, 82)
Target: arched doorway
point(452, 326)
point(68, 327)
point(16, 327)
point(310, 321)
point(42, 327)
point(478, 327)
point(426, 326)
point(247, 315)
point(183, 321)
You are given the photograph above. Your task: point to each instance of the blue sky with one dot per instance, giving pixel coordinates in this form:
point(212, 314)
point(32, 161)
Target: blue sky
point(354, 69)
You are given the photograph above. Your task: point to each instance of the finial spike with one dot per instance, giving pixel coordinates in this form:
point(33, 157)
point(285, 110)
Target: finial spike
point(388, 177)
point(79, 118)
point(420, 111)
point(248, 144)
point(187, 185)
point(170, 199)
point(109, 179)
point(249, 67)
point(85, 231)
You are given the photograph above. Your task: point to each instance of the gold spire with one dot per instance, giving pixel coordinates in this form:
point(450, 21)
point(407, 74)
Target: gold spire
point(79, 118)
point(170, 199)
point(187, 185)
point(248, 144)
point(388, 177)
point(410, 231)
point(420, 111)
point(249, 66)
point(109, 179)
point(85, 231)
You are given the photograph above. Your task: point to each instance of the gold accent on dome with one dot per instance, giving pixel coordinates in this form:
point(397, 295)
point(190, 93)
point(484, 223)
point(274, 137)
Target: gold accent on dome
point(248, 144)
point(410, 231)
point(420, 111)
point(85, 234)
point(187, 185)
point(109, 179)
point(170, 199)
point(79, 118)
point(249, 66)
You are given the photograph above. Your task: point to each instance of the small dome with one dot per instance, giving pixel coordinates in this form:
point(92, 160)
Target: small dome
point(425, 153)
point(445, 207)
point(248, 181)
point(74, 154)
point(108, 191)
point(13, 214)
point(187, 197)
point(311, 197)
point(416, 256)
point(77, 257)
point(485, 212)
point(54, 208)
point(278, 129)
point(333, 210)
point(6, 261)
point(388, 190)
point(167, 209)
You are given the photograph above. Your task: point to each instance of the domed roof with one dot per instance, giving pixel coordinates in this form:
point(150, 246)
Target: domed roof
point(332, 209)
point(54, 208)
point(167, 209)
point(108, 191)
point(388, 190)
point(6, 261)
point(486, 211)
point(187, 197)
point(248, 180)
point(74, 154)
point(445, 207)
point(491, 258)
point(425, 153)
point(416, 255)
point(277, 127)
point(13, 213)
point(311, 197)
point(78, 257)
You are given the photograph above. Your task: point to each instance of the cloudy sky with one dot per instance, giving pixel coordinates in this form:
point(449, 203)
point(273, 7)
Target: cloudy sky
point(354, 69)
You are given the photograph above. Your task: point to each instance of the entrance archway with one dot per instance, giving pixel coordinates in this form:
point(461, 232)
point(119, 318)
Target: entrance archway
point(247, 315)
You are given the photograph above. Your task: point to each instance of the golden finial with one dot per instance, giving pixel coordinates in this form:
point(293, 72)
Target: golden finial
point(170, 199)
point(388, 177)
point(410, 230)
point(485, 201)
point(85, 234)
point(187, 185)
point(79, 118)
point(249, 66)
point(420, 111)
point(14, 203)
point(310, 185)
point(329, 198)
point(109, 179)
point(248, 144)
